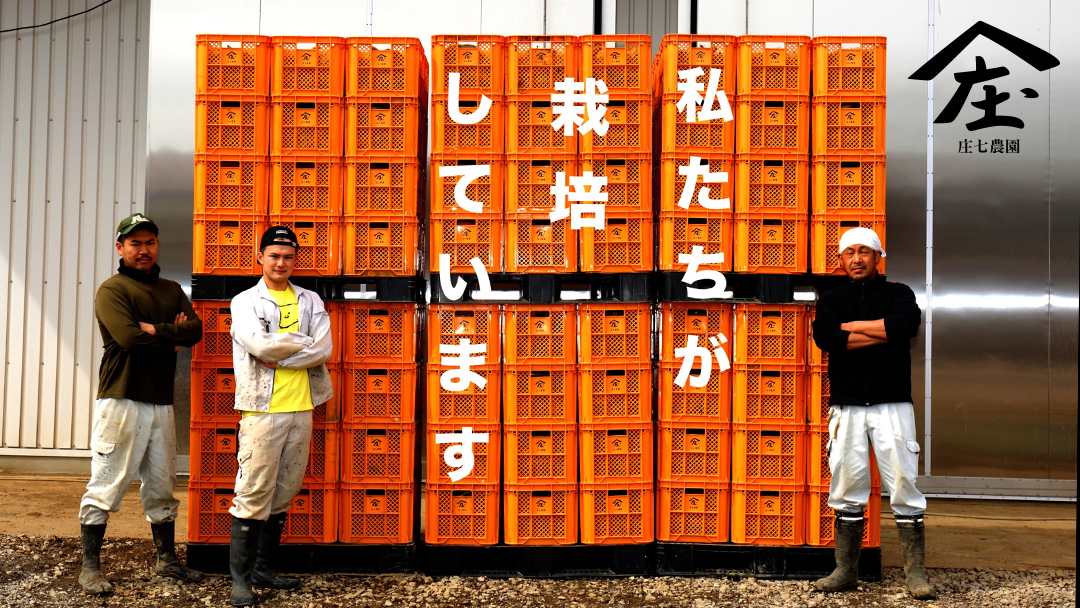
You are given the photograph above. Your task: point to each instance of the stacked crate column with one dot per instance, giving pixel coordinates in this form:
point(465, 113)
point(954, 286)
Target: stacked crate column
point(698, 213)
point(466, 219)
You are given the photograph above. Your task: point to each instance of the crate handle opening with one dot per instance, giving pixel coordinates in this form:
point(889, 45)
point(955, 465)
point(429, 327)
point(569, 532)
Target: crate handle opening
point(541, 222)
point(380, 432)
point(773, 163)
point(304, 492)
point(465, 493)
point(539, 313)
point(229, 491)
point(774, 45)
point(847, 46)
point(305, 165)
point(472, 43)
point(229, 224)
point(771, 493)
point(231, 44)
point(701, 44)
point(542, 493)
point(382, 46)
point(771, 313)
point(464, 313)
point(230, 104)
point(380, 225)
point(615, 372)
point(540, 433)
point(618, 492)
point(849, 223)
point(772, 223)
point(695, 431)
point(466, 223)
point(621, 103)
point(540, 374)
point(230, 164)
point(770, 433)
point(379, 313)
point(614, 313)
point(774, 104)
point(697, 220)
point(378, 372)
point(307, 225)
point(850, 104)
point(225, 311)
point(225, 371)
point(695, 370)
point(697, 312)
point(693, 490)
point(617, 432)
point(306, 46)
point(224, 431)
point(380, 106)
point(541, 104)
point(305, 105)
point(380, 165)
point(770, 373)
point(615, 44)
point(466, 163)
point(850, 164)
point(617, 162)
point(468, 103)
point(541, 45)
point(374, 492)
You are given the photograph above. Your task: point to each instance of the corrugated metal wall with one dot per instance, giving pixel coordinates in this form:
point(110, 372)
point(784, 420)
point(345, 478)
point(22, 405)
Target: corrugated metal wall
point(73, 100)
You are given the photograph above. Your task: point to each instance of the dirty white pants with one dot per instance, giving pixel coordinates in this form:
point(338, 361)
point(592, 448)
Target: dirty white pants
point(131, 439)
point(272, 457)
point(890, 428)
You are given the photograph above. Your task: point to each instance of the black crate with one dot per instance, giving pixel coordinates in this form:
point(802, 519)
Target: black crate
point(314, 559)
point(725, 559)
point(569, 561)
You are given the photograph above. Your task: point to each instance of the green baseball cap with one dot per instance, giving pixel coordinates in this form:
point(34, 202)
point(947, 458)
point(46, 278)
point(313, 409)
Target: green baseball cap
point(133, 222)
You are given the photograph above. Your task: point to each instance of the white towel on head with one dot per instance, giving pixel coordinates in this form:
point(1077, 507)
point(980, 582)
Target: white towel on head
point(860, 236)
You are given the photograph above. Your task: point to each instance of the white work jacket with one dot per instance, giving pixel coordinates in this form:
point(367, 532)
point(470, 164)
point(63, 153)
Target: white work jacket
point(255, 320)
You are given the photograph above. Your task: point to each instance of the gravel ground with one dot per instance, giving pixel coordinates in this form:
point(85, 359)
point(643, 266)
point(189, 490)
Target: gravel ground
point(42, 571)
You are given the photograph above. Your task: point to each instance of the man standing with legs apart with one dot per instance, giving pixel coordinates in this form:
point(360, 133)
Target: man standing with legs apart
point(144, 319)
point(281, 343)
point(866, 326)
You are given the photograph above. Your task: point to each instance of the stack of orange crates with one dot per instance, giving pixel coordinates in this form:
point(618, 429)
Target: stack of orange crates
point(615, 423)
point(772, 121)
point(461, 233)
point(677, 139)
point(623, 154)
point(540, 439)
point(466, 511)
point(849, 144)
point(694, 447)
point(378, 394)
point(768, 455)
point(306, 131)
point(386, 95)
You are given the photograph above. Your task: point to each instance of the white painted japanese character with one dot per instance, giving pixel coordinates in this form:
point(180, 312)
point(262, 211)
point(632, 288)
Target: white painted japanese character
point(458, 379)
point(459, 456)
point(693, 260)
point(697, 168)
point(453, 104)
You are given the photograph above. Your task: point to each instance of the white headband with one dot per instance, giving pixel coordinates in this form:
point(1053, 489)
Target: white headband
point(861, 236)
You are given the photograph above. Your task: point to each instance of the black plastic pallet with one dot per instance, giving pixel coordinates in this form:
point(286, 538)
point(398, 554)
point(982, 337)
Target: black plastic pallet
point(315, 559)
point(552, 288)
point(570, 561)
point(692, 559)
point(381, 289)
point(762, 288)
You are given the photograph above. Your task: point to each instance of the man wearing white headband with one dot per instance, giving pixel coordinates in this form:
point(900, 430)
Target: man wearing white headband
point(866, 327)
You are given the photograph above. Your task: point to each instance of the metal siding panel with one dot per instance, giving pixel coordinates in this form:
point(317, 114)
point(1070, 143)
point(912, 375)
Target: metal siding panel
point(722, 18)
point(780, 18)
point(127, 20)
point(8, 90)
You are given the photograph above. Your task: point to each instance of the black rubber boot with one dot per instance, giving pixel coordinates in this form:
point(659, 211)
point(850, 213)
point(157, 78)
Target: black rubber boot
point(269, 541)
point(91, 578)
point(167, 562)
point(848, 536)
point(913, 547)
point(243, 546)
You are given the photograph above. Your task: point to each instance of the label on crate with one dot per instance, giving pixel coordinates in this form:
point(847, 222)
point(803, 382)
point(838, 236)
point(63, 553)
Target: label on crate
point(851, 58)
point(541, 505)
point(698, 323)
point(771, 443)
point(616, 174)
point(694, 502)
point(541, 116)
point(616, 114)
point(379, 236)
point(772, 234)
point(695, 442)
point(850, 117)
point(382, 59)
point(468, 55)
point(223, 500)
point(540, 386)
point(229, 176)
point(542, 56)
point(541, 234)
point(697, 233)
point(771, 384)
point(466, 232)
point(306, 236)
point(306, 117)
point(774, 115)
point(618, 444)
point(378, 323)
point(380, 117)
point(462, 503)
point(769, 504)
point(231, 56)
point(615, 385)
point(377, 383)
point(616, 56)
point(379, 178)
point(540, 325)
point(464, 324)
point(304, 177)
point(618, 504)
point(617, 233)
point(771, 324)
point(226, 383)
point(231, 116)
point(225, 441)
point(302, 502)
point(540, 445)
point(376, 443)
point(701, 56)
point(307, 58)
point(375, 504)
point(224, 319)
point(772, 174)
point(614, 324)
point(775, 55)
point(850, 176)
point(542, 174)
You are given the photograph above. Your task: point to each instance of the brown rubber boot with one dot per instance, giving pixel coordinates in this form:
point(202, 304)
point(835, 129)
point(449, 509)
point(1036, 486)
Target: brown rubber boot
point(91, 578)
point(848, 537)
point(913, 548)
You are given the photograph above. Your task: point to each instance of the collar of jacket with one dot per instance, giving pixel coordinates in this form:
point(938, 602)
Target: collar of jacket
point(872, 284)
point(264, 291)
point(143, 277)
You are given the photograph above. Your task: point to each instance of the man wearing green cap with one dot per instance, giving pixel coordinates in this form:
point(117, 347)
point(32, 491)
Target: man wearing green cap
point(144, 319)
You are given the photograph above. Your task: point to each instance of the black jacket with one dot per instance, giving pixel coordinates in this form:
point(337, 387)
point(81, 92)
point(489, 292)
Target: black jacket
point(875, 374)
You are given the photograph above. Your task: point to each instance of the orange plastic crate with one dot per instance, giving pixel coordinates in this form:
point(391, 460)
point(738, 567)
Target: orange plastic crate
point(694, 451)
point(688, 51)
point(772, 124)
point(848, 65)
point(540, 514)
point(331, 410)
point(821, 518)
point(216, 345)
point(617, 513)
point(615, 392)
point(450, 323)
point(486, 190)
point(388, 184)
point(309, 65)
point(629, 179)
point(770, 333)
point(539, 393)
point(536, 63)
point(540, 452)
point(484, 137)
point(231, 183)
point(379, 332)
point(672, 182)
point(227, 244)
point(232, 124)
point(535, 245)
point(464, 236)
point(703, 319)
point(535, 334)
point(529, 178)
point(614, 333)
point(214, 446)
point(616, 452)
point(228, 63)
point(629, 117)
point(770, 243)
point(481, 61)
point(378, 392)
point(849, 125)
point(213, 393)
point(849, 185)
point(306, 184)
point(386, 66)
point(622, 62)
point(768, 393)
point(461, 514)
point(768, 514)
point(320, 242)
point(825, 240)
point(692, 511)
point(774, 64)
point(700, 137)
point(313, 515)
point(819, 473)
point(529, 130)
point(817, 400)
point(487, 457)
point(385, 126)
point(376, 513)
point(324, 456)
point(472, 406)
point(681, 231)
point(378, 244)
point(378, 451)
point(625, 244)
point(772, 183)
point(768, 453)
point(307, 125)
point(710, 403)
point(209, 520)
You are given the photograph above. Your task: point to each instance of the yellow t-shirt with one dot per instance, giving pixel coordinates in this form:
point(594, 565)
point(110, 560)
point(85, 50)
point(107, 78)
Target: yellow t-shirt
point(292, 391)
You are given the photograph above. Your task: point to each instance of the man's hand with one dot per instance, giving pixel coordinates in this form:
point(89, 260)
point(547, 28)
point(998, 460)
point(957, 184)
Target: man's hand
point(874, 329)
point(271, 365)
point(856, 341)
point(148, 328)
point(180, 318)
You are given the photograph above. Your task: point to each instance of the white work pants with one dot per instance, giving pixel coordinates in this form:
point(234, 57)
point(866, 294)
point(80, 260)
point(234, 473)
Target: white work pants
point(131, 439)
point(272, 457)
point(890, 429)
